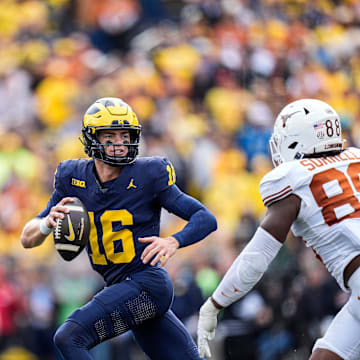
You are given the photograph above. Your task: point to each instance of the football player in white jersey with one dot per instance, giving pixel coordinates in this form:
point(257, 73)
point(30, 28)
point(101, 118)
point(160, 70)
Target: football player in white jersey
point(314, 189)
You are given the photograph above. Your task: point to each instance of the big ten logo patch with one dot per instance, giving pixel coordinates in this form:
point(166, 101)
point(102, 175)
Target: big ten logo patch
point(78, 183)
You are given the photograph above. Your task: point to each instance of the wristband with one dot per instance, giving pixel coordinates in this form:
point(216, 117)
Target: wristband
point(44, 229)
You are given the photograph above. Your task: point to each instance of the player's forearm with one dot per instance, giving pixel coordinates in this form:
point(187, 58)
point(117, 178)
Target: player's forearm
point(31, 235)
point(247, 269)
point(200, 224)
point(200, 220)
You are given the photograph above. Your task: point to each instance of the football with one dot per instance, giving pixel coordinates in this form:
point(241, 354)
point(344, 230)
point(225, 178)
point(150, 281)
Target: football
point(71, 234)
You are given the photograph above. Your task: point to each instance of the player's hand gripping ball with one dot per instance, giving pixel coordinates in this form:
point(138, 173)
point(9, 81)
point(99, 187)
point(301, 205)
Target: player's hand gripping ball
point(71, 234)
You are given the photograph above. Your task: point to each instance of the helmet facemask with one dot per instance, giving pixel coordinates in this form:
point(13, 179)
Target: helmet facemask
point(275, 151)
point(96, 150)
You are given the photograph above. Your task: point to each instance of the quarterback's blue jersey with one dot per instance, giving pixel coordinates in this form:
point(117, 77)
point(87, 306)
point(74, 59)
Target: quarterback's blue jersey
point(120, 212)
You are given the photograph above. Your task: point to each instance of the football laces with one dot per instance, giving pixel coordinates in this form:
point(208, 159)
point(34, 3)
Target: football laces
point(57, 231)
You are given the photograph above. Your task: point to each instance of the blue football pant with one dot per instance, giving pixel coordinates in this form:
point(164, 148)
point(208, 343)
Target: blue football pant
point(142, 304)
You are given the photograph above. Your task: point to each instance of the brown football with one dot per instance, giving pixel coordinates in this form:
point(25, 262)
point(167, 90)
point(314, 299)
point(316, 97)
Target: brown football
point(71, 234)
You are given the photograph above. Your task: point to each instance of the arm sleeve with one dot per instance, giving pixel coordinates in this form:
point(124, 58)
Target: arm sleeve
point(248, 268)
point(200, 220)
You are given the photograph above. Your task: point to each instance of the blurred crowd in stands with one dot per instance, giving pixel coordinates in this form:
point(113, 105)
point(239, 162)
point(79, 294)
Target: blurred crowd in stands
point(206, 79)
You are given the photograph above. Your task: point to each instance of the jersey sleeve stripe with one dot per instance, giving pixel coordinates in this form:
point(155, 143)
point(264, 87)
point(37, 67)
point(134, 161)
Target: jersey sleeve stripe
point(279, 192)
point(270, 201)
point(277, 196)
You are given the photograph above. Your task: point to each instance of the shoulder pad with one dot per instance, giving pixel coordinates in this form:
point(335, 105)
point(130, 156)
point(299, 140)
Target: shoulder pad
point(277, 184)
point(160, 171)
point(68, 168)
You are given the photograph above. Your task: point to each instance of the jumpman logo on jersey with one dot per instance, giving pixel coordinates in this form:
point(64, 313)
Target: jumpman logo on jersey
point(131, 185)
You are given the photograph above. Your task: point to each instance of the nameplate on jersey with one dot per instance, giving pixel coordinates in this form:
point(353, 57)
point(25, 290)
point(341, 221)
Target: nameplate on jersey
point(78, 183)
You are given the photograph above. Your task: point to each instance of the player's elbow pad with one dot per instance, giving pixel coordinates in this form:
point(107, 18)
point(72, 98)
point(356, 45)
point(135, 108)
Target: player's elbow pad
point(248, 268)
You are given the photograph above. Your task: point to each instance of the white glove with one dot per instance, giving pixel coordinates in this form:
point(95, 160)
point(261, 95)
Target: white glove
point(206, 327)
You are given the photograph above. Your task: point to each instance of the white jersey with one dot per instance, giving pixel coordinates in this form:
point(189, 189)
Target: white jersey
point(329, 217)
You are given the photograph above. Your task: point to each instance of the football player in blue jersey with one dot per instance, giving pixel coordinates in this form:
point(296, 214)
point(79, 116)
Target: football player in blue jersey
point(124, 196)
